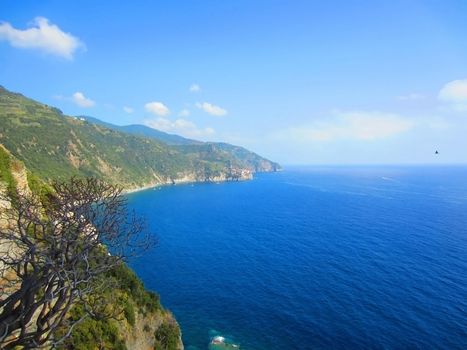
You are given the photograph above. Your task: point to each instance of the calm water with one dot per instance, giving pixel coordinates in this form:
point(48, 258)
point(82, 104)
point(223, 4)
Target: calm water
point(315, 258)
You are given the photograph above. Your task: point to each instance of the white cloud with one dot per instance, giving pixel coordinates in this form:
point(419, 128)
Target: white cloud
point(180, 126)
point(128, 110)
point(454, 91)
point(415, 96)
point(162, 124)
point(43, 36)
point(358, 125)
point(211, 109)
point(195, 88)
point(184, 113)
point(81, 100)
point(157, 108)
point(454, 94)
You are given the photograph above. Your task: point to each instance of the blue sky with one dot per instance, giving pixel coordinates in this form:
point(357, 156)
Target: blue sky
point(309, 82)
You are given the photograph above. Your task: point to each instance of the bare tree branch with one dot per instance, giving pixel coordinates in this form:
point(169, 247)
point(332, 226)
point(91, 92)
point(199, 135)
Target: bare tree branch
point(52, 254)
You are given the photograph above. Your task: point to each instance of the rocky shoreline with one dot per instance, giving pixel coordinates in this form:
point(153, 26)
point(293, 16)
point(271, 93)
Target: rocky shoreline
point(240, 175)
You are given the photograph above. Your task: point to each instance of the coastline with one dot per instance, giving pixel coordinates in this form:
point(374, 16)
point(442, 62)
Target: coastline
point(246, 175)
point(187, 180)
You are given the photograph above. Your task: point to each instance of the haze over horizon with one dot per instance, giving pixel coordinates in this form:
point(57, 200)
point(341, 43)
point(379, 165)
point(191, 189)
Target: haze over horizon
point(298, 82)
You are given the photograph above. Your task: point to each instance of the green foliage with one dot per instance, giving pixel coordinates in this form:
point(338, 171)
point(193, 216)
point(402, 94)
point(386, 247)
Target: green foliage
point(248, 159)
point(38, 187)
point(97, 333)
point(129, 312)
point(6, 176)
point(93, 334)
point(167, 336)
point(129, 283)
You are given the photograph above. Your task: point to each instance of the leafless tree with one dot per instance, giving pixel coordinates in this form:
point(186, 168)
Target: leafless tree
point(52, 254)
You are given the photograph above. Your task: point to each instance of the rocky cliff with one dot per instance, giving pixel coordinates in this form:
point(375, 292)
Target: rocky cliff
point(144, 323)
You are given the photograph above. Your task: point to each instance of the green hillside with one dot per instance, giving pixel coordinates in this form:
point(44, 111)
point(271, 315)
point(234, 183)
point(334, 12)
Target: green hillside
point(56, 146)
point(244, 158)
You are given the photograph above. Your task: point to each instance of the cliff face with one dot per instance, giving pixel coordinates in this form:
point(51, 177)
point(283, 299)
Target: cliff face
point(143, 324)
point(142, 335)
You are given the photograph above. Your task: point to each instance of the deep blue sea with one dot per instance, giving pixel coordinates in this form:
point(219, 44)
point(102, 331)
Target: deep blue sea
point(314, 258)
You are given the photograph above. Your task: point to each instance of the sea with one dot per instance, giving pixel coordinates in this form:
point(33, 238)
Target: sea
point(344, 257)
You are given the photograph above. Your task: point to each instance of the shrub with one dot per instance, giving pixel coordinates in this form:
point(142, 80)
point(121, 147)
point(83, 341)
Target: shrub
point(129, 312)
point(5, 173)
point(93, 334)
point(167, 336)
point(132, 285)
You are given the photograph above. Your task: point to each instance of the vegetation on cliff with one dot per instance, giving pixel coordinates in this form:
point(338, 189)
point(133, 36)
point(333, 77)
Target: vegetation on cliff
point(59, 285)
point(139, 308)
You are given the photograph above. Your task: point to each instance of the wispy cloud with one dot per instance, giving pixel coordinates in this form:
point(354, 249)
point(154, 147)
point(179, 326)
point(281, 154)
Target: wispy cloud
point(157, 108)
point(353, 125)
point(195, 88)
point(184, 113)
point(180, 126)
point(414, 96)
point(128, 110)
point(43, 36)
point(454, 95)
point(79, 99)
point(211, 109)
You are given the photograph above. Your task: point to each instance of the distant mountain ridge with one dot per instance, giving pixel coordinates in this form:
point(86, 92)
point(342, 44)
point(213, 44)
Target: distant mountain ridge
point(142, 130)
point(256, 162)
point(55, 146)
